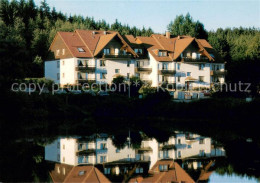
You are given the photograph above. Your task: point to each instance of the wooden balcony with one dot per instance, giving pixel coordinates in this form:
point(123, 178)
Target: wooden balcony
point(143, 69)
point(218, 73)
point(87, 68)
point(86, 152)
point(197, 60)
point(167, 72)
point(144, 149)
point(118, 57)
point(168, 147)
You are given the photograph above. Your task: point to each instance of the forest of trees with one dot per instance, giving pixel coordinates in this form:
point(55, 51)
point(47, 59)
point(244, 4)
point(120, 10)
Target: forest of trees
point(27, 31)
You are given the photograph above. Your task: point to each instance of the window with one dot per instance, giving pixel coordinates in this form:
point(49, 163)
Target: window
point(63, 75)
point(58, 157)
point(103, 146)
point(58, 64)
point(139, 51)
point(81, 173)
point(165, 66)
point(178, 66)
point(179, 154)
point(117, 71)
point(116, 51)
point(80, 63)
point(102, 63)
point(63, 51)
point(107, 171)
point(202, 153)
point(106, 51)
point(58, 145)
point(117, 150)
point(179, 78)
point(201, 66)
point(201, 78)
point(179, 141)
point(63, 146)
point(63, 159)
point(201, 141)
point(63, 63)
point(162, 54)
point(189, 146)
point(188, 73)
point(103, 76)
point(57, 52)
point(58, 76)
point(128, 63)
point(103, 159)
point(163, 168)
point(139, 170)
point(81, 49)
point(128, 76)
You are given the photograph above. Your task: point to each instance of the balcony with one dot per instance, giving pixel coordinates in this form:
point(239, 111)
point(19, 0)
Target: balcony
point(117, 57)
point(167, 71)
point(80, 81)
point(218, 73)
point(143, 69)
point(144, 149)
point(168, 147)
point(86, 68)
point(86, 152)
point(141, 157)
point(196, 60)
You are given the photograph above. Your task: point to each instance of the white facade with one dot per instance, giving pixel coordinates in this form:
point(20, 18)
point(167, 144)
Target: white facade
point(72, 152)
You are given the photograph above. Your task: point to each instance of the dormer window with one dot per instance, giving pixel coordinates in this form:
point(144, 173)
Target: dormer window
point(106, 51)
point(81, 173)
point(81, 49)
point(138, 51)
point(163, 168)
point(162, 53)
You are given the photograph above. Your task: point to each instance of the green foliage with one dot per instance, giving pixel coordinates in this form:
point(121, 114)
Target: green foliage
point(185, 25)
point(33, 28)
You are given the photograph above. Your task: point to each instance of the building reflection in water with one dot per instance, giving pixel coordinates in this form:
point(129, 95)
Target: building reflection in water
point(96, 159)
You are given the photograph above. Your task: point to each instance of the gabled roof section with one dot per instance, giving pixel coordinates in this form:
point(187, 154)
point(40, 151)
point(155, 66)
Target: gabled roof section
point(104, 40)
point(73, 42)
point(153, 47)
point(181, 45)
point(174, 173)
point(84, 174)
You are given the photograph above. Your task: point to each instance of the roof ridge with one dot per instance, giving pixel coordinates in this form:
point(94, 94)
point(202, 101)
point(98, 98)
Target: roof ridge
point(84, 43)
point(66, 44)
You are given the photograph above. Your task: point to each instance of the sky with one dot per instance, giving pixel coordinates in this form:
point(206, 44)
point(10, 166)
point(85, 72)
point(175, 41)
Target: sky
point(158, 14)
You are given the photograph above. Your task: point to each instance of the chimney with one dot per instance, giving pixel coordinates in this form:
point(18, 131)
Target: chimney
point(168, 34)
point(179, 37)
point(105, 33)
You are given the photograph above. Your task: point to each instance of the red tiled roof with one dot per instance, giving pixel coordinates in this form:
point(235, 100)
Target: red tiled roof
point(174, 174)
point(85, 174)
point(91, 41)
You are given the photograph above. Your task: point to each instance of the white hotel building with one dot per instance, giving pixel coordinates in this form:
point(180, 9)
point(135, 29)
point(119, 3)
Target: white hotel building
point(99, 149)
point(99, 56)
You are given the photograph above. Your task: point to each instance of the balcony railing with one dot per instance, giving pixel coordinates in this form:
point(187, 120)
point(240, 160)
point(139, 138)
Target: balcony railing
point(140, 157)
point(86, 68)
point(218, 73)
point(120, 56)
point(144, 149)
point(168, 147)
point(86, 152)
point(167, 71)
point(86, 80)
point(190, 59)
point(144, 69)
